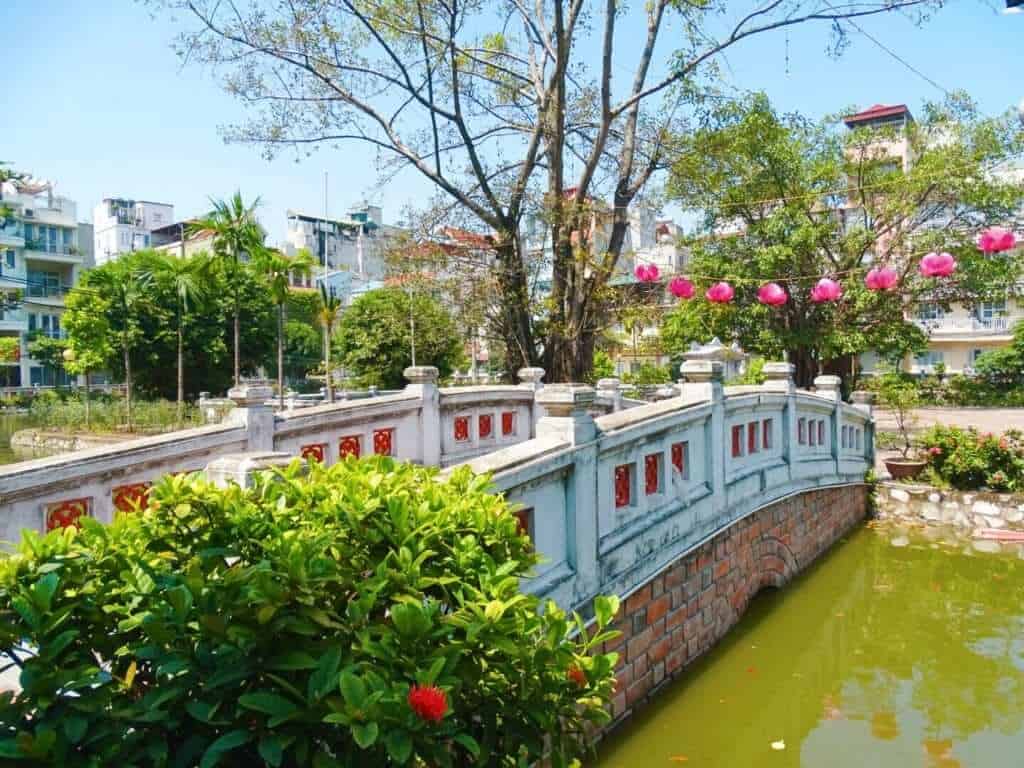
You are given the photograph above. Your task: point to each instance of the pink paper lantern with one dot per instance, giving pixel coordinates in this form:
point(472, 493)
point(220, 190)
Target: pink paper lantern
point(881, 279)
point(996, 239)
point(937, 265)
point(681, 288)
point(720, 293)
point(646, 273)
point(772, 294)
point(825, 290)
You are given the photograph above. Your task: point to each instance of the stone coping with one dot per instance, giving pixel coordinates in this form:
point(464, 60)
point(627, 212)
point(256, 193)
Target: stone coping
point(346, 406)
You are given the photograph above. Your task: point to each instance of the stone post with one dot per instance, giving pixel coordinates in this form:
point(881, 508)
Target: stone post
point(241, 468)
point(830, 387)
point(864, 401)
point(423, 381)
point(254, 409)
point(610, 390)
point(702, 383)
point(568, 417)
point(530, 378)
point(778, 377)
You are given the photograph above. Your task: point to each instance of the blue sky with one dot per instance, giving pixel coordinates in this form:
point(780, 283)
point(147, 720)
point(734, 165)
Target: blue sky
point(94, 99)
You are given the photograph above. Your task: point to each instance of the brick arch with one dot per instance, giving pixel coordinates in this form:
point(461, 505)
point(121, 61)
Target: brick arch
point(776, 564)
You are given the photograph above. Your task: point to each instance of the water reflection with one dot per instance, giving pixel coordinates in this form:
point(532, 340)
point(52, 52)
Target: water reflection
point(879, 656)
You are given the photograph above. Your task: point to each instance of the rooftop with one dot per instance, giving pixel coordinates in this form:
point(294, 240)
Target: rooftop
point(877, 112)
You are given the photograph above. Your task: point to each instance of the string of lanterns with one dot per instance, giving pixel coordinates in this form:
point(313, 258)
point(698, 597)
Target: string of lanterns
point(826, 290)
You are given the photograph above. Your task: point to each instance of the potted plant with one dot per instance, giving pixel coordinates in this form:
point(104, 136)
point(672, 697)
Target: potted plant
point(900, 395)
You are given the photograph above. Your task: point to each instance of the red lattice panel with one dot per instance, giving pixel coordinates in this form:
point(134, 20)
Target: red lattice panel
point(382, 441)
point(316, 451)
point(679, 457)
point(63, 514)
point(352, 445)
point(130, 497)
point(622, 486)
point(651, 473)
point(461, 429)
point(484, 425)
point(508, 423)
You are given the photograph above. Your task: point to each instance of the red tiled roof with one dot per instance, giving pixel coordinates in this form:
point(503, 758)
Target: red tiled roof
point(876, 111)
point(466, 238)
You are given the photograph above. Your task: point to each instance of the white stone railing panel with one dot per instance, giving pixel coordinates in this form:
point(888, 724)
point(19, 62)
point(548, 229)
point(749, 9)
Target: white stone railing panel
point(478, 420)
point(56, 490)
point(388, 425)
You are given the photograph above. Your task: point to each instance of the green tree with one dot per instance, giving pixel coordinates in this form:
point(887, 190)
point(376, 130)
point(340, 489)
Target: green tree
point(187, 279)
point(277, 269)
point(790, 201)
point(120, 292)
point(375, 339)
point(303, 348)
point(237, 238)
point(327, 314)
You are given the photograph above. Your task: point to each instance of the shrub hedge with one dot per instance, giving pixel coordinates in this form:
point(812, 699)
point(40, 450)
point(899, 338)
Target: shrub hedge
point(967, 460)
point(365, 614)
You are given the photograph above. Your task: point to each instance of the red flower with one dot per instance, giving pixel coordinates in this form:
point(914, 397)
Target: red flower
point(935, 450)
point(1003, 444)
point(577, 676)
point(429, 702)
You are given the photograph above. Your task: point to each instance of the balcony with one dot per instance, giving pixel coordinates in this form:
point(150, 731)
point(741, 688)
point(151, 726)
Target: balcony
point(960, 327)
point(46, 251)
point(13, 320)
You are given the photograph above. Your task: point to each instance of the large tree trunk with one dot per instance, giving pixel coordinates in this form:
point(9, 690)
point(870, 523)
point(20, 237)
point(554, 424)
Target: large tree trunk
point(515, 325)
point(280, 355)
point(805, 363)
point(181, 373)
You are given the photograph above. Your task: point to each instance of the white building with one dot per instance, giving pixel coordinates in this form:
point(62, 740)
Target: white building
point(122, 226)
point(350, 252)
point(40, 261)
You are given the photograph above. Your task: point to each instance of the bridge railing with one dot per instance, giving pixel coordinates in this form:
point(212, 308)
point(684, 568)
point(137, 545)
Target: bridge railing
point(610, 501)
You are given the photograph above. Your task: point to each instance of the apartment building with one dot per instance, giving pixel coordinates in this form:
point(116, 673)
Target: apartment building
point(121, 226)
point(40, 260)
point(956, 338)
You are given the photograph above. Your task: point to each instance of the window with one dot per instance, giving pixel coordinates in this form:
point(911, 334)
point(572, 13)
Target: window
point(988, 310)
point(737, 441)
point(929, 359)
point(821, 432)
point(801, 431)
point(972, 358)
point(9, 259)
point(929, 310)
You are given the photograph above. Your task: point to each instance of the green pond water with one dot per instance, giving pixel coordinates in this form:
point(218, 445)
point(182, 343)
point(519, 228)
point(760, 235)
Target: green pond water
point(879, 656)
point(9, 424)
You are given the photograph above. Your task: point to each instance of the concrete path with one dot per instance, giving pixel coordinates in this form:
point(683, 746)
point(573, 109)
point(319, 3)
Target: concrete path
point(983, 419)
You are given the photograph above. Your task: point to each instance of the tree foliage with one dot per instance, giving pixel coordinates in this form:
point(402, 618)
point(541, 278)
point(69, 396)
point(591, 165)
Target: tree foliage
point(790, 201)
point(288, 626)
point(374, 338)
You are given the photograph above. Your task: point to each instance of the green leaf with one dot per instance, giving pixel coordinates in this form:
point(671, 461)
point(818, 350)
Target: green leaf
point(324, 677)
point(410, 619)
point(468, 742)
point(295, 660)
point(74, 727)
point(605, 608)
point(268, 703)
point(365, 734)
point(180, 599)
point(398, 745)
point(43, 591)
point(271, 750)
point(9, 748)
point(353, 689)
point(225, 743)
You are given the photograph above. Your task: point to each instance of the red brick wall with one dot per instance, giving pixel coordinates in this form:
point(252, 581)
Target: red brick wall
point(689, 606)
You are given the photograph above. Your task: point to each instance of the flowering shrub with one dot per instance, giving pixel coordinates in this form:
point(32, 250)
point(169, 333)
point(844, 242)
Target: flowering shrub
point(968, 460)
point(366, 614)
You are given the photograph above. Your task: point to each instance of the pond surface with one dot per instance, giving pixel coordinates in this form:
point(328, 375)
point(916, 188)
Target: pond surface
point(879, 657)
point(9, 424)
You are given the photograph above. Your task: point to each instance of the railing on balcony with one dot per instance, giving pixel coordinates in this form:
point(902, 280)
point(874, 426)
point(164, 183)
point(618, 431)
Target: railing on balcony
point(965, 325)
point(38, 291)
point(47, 247)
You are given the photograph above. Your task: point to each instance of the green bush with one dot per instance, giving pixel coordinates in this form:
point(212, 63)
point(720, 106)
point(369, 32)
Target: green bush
point(649, 375)
point(967, 460)
point(64, 410)
point(366, 615)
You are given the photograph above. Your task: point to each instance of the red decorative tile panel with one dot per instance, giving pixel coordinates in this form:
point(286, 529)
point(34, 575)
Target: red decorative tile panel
point(622, 485)
point(484, 425)
point(679, 457)
point(821, 433)
point(524, 520)
point(461, 429)
point(651, 462)
point(737, 441)
point(316, 451)
point(66, 513)
point(766, 437)
point(350, 446)
point(752, 442)
point(130, 497)
point(382, 441)
point(508, 423)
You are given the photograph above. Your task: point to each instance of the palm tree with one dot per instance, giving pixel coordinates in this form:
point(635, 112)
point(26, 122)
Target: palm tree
point(236, 237)
point(278, 269)
point(330, 308)
point(188, 280)
point(127, 288)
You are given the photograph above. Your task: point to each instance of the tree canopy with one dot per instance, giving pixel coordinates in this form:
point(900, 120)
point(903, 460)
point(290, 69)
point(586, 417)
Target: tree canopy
point(374, 338)
point(790, 201)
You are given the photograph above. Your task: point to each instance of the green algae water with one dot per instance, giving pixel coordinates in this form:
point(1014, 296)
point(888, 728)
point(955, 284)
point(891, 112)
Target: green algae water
point(880, 656)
